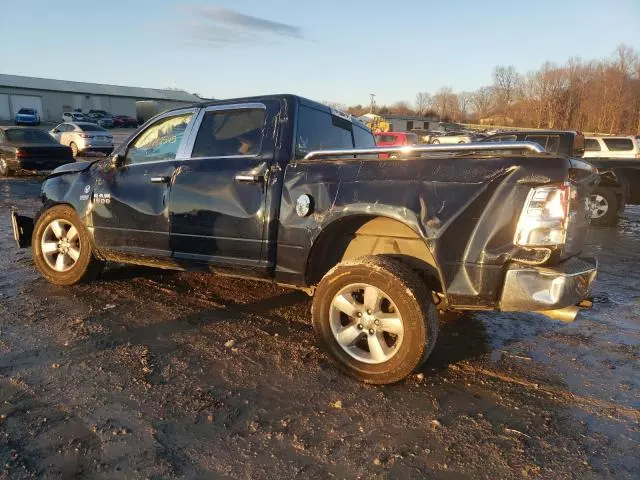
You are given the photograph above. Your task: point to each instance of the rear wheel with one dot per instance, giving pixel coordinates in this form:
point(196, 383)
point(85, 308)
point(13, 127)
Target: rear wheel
point(375, 316)
point(5, 171)
point(74, 149)
point(62, 248)
point(604, 207)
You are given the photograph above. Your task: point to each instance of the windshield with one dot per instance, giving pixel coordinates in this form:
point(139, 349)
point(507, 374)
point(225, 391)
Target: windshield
point(28, 135)
point(26, 111)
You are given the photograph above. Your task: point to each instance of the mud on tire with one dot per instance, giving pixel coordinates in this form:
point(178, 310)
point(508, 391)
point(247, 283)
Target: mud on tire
point(404, 295)
point(83, 268)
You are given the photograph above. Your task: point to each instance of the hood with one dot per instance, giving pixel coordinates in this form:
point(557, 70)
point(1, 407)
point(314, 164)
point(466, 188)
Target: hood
point(75, 167)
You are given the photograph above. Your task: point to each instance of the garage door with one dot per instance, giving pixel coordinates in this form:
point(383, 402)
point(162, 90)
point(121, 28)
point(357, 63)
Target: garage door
point(25, 101)
point(5, 113)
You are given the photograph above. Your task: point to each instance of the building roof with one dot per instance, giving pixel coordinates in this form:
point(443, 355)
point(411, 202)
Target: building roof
point(34, 83)
point(410, 117)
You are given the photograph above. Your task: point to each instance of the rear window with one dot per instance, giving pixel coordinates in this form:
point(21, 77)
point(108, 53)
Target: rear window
point(24, 135)
point(91, 128)
point(502, 138)
point(550, 143)
point(229, 133)
point(387, 138)
point(363, 138)
point(618, 144)
point(412, 139)
point(318, 130)
point(591, 145)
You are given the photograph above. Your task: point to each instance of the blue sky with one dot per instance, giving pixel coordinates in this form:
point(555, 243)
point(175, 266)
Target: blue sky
point(331, 50)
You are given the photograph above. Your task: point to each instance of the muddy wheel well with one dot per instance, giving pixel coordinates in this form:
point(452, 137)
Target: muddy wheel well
point(361, 235)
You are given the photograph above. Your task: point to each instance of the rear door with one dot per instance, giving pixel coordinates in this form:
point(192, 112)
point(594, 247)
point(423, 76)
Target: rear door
point(219, 196)
point(130, 211)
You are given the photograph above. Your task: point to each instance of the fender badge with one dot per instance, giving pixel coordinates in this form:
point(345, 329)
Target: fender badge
point(87, 189)
point(304, 205)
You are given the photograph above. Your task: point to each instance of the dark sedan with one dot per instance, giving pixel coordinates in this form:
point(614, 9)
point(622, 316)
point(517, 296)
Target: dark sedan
point(23, 148)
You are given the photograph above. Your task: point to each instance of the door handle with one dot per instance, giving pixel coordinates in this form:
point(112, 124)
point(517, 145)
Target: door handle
point(160, 179)
point(249, 177)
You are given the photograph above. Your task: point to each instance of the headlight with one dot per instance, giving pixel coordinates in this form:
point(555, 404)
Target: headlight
point(543, 221)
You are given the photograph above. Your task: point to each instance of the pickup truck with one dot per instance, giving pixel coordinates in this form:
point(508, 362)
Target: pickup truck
point(619, 182)
point(284, 189)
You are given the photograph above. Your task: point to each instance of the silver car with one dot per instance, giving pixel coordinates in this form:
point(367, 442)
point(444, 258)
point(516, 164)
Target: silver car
point(83, 137)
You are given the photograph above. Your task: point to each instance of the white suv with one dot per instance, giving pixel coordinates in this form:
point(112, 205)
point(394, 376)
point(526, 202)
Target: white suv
point(612, 147)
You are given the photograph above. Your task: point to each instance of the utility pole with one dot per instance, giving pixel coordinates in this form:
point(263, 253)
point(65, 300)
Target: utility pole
point(373, 102)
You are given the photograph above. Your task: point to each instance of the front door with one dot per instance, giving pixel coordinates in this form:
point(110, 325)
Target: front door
point(131, 203)
point(218, 198)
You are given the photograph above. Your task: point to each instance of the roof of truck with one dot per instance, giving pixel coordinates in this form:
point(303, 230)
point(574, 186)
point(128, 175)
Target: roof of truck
point(286, 96)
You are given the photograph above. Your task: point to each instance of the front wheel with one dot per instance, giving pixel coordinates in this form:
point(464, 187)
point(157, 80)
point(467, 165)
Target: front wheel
point(62, 248)
point(376, 317)
point(436, 142)
point(604, 207)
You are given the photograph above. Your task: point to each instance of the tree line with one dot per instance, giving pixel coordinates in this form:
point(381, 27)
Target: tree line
point(600, 96)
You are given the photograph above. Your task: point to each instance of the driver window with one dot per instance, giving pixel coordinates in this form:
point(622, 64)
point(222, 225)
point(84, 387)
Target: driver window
point(159, 141)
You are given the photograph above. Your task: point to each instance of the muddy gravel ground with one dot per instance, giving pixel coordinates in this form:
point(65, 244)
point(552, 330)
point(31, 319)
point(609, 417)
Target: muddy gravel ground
point(151, 374)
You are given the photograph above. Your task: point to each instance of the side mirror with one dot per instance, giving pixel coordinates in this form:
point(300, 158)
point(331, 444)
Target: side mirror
point(117, 160)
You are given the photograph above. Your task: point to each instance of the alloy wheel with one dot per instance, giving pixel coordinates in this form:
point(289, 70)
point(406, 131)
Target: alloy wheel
point(599, 206)
point(60, 245)
point(366, 323)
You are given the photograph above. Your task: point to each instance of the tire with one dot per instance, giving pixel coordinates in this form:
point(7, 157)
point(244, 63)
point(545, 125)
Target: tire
point(85, 267)
point(405, 297)
point(436, 142)
point(5, 171)
point(74, 149)
point(604, 207)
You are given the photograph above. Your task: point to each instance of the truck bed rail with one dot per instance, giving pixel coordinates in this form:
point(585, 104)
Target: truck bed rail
point(467, 147)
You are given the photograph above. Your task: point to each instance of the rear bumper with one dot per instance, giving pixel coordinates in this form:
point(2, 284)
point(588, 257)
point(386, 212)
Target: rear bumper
point(528, 288)
point(22, 229)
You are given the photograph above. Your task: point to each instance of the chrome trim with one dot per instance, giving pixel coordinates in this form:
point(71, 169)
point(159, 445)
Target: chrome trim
point(188, 148)
point(467, 147)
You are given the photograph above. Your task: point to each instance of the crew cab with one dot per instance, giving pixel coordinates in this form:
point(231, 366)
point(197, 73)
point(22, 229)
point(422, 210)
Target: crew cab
point(284, 189)
point(619, 182)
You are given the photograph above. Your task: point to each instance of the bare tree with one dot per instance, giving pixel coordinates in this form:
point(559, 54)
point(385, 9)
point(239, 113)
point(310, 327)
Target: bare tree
point(423, 103)
point(464, 104)
point(482, 101)
point(506, 82)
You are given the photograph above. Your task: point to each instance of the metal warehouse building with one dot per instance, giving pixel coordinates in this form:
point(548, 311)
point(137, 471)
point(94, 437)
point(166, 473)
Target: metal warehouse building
point(52, 97)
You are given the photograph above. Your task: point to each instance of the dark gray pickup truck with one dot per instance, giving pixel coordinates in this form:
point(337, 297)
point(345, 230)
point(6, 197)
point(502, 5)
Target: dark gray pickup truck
point(287, 190)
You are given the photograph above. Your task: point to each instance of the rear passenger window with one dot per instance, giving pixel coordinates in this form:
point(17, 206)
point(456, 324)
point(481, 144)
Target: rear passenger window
point(363, 138)
point(618, 144)
point(318, 130)
point(230, 133)
point(591, 145)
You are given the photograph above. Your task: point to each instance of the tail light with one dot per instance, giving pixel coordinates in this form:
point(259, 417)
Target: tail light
point(21, 154)
point(543, 221)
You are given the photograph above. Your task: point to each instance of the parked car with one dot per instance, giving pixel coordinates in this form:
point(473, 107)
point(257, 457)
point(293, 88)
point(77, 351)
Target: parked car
point(27, 116)
point(28, 148)
point(73, 117)
point(83, 137)
point(102, 118)
point(619, 178)
point(612, 147)
point(125, 121)
point(395, 139)
point(457, 137)
point(271, 188)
